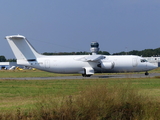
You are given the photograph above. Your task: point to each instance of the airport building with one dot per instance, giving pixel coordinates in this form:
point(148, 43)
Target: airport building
point(154, 60)
point(7, 65)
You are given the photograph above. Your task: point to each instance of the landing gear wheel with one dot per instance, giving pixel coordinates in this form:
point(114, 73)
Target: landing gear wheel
point(146, 73)
point(84, 75)
point(88, 75)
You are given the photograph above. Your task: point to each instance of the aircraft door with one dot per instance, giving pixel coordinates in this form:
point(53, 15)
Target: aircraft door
point(47, 64)
point(134, 62)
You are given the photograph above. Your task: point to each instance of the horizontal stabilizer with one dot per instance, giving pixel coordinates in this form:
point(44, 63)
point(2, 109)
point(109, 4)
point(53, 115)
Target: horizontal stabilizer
point(17, 37)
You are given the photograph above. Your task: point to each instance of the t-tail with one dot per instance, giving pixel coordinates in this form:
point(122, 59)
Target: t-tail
point(22, 49)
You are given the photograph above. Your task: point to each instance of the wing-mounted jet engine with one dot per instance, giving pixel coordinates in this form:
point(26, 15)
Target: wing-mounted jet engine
point(106, 65)
point(92, 61)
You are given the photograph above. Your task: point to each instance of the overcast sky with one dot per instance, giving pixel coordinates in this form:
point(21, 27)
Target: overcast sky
point(71, 25)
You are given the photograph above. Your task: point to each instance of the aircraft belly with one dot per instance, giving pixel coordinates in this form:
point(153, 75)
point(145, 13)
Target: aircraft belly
point(67, 66)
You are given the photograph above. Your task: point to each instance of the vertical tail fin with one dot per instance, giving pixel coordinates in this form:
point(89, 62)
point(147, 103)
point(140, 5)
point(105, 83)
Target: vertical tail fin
point(21, 48)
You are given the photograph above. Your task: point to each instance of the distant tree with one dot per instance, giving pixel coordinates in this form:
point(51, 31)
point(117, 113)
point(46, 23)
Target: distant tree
point(144, 53)
point(121, 53)
point(46, 53)
point(2, 59)
point(103, 53)
point(11, 60)
point(134, 52)
point(66, 53)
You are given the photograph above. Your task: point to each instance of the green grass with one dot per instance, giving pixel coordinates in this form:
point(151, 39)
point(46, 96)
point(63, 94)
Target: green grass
point(33, 89)
point(83, 98)
point(29, 73)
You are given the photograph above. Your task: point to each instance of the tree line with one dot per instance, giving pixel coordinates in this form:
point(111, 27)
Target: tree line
point(76, 53)
point(3, 59)
point(143, 53)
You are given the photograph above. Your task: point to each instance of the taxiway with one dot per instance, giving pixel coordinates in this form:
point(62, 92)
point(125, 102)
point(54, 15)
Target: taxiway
point(127, 75)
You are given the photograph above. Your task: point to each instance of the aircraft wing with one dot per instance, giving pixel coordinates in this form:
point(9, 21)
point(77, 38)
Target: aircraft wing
point(90, 58)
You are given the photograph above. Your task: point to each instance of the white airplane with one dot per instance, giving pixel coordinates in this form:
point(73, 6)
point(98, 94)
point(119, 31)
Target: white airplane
point(86, 65)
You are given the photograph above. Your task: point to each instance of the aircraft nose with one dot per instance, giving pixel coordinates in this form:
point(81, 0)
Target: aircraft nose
point(151, 66)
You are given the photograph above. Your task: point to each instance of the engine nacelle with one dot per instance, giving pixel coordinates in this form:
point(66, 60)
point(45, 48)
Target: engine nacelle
point(106, 65)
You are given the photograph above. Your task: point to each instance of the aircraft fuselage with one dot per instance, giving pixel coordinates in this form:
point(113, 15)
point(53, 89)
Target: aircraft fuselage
point(71, 64)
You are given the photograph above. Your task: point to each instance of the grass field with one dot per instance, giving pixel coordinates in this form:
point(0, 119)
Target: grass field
point(28, 73)
point(39, 73)
point(113, 98)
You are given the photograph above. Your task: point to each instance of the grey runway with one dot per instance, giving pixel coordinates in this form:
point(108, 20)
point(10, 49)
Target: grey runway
point(92, 77)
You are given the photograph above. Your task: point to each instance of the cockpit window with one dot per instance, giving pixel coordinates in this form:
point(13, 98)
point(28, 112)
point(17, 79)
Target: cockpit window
point(144, 60)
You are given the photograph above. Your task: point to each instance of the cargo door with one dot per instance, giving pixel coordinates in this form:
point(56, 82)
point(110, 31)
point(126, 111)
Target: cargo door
point(134, 62)
point(47, 64)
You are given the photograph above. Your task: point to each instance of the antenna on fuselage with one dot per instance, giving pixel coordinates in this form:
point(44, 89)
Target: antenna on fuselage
point(94, 48)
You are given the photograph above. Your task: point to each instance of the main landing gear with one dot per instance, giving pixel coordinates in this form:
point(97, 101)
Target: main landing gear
point(146, 73)
point(84, 75)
